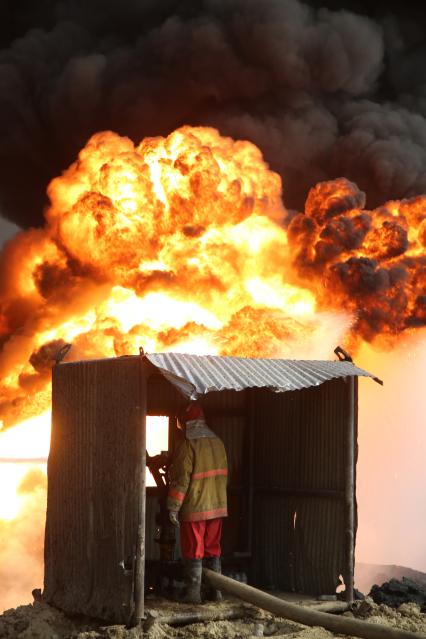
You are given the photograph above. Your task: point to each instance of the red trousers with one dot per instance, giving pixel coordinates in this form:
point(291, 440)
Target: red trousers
point(200, 539)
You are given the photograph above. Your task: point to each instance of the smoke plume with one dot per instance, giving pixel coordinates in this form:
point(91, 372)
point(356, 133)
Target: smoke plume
point(323, 93)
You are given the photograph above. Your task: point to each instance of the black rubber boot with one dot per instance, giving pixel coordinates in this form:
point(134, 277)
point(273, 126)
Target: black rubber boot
point(192, 569)
point(213, 563)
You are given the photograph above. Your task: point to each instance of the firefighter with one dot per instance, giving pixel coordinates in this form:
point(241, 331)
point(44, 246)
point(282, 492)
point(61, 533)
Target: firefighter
point(197, 499)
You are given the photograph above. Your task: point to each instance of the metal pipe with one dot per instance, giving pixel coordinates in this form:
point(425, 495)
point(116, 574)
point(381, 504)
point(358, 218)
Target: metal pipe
point(193, 616)
point(305, 615)
point(350, 492)
point(250, 425)
point(139, 573)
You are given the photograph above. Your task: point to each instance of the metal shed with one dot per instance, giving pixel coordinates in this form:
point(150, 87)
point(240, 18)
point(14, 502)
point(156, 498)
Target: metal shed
point(289, 428)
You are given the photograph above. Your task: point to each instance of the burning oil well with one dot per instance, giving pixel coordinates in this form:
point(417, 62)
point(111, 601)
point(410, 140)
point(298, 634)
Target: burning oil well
point(182, 241)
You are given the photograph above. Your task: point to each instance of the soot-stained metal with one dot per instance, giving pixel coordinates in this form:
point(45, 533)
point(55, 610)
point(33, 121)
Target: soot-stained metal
point(290, 431)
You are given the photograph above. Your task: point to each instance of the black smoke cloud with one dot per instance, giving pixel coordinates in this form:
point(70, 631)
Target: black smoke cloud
point(323, 92)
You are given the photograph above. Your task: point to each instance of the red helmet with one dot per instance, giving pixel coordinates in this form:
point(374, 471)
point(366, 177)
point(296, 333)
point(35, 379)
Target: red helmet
point(193, 411)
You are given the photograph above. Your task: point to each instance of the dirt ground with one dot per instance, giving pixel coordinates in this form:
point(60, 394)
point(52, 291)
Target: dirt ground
point(40, 621)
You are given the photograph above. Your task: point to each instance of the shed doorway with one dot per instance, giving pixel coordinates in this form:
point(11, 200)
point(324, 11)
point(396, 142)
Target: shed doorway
point(157, 440)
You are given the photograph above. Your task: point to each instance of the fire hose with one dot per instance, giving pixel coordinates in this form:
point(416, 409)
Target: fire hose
point(303, 615)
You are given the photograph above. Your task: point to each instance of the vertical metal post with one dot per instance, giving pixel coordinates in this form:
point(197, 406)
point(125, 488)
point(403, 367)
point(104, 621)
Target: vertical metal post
point(250, 424)
point(139, 573)
point(350, 491)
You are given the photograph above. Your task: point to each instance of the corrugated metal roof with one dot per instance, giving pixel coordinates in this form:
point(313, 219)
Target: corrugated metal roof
point(196, 375)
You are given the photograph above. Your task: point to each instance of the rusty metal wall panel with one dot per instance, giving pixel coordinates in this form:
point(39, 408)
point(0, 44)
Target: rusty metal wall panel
point(273, 548)
point(92, 487)
point(162, 397)
point(226, 402)
point(299, 487)
point(152, 549)
point(306, 431)
point(319, 543)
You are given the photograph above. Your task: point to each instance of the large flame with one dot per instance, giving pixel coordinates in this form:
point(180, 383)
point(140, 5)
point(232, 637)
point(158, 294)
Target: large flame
point(22, 448)
point(183, 243)
point(173, 244)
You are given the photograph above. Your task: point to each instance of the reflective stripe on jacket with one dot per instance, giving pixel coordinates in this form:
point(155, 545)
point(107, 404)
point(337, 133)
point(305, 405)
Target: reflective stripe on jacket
point(198, 478)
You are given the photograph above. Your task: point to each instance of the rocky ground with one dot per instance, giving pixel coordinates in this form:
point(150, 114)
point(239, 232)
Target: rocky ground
point(366, 575)
point(40, 621)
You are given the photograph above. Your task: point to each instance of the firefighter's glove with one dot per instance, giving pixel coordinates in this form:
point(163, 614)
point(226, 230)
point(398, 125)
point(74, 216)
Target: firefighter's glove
point(173, 516)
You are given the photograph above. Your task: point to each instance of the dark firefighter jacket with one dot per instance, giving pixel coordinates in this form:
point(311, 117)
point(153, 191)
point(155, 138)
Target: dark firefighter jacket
point(198, 477)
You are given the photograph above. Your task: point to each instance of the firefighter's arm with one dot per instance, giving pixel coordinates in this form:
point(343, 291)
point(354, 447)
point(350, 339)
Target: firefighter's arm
point(180, 472)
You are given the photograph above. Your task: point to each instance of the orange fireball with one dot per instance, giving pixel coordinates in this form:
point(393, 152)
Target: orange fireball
point(183, 243)
point(160, 245)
